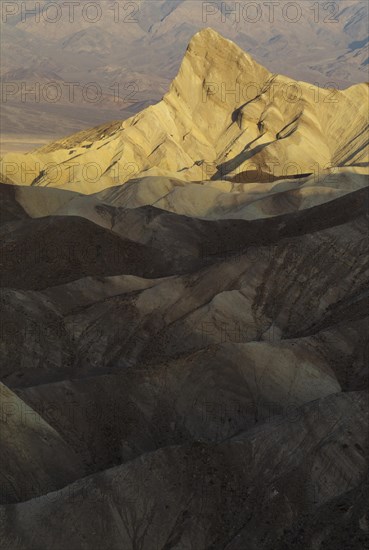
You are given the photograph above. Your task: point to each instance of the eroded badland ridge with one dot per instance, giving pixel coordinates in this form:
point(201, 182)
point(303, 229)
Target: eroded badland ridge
point(184, 330)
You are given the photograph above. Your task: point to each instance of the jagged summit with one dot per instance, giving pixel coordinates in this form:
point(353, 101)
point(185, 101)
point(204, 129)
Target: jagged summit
point(224, 117)
point(214, 70)
point(208, 40)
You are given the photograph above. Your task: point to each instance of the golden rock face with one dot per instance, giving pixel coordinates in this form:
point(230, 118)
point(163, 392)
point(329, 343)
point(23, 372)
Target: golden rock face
point(225, 117)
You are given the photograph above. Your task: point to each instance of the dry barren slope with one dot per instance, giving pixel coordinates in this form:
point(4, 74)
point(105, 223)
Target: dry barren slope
point(190, 495)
